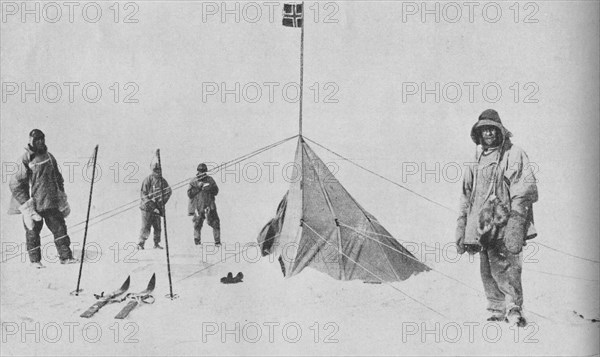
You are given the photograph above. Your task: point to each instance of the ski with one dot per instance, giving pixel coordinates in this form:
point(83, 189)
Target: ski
point(105, 299)
point(137, 298)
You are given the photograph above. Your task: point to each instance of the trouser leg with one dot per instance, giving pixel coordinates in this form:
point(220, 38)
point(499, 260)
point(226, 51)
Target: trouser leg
point(146, 225)
point(217, 235)
point(156, 227)
point(506, 270)
point(56, 224)
point(32, 241)
point(214, 221)
point(198, 222)
point(495, 297)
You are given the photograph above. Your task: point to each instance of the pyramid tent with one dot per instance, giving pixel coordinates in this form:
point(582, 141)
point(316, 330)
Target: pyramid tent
point(319, 225)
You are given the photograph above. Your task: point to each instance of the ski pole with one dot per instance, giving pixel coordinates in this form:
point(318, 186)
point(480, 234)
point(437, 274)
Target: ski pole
point(87, 220)
point(164, 213)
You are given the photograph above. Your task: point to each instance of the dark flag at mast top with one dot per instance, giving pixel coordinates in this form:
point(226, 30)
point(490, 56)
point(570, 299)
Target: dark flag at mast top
point(293, 15)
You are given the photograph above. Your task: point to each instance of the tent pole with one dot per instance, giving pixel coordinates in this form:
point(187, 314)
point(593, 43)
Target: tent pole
point(301, 70)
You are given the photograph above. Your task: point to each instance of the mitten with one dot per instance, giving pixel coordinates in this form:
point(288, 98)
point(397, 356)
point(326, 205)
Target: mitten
point(29, 214)
point(461, 224)
point(193, 190)
point(151, 206)
point(514, 233)
point(63, 204)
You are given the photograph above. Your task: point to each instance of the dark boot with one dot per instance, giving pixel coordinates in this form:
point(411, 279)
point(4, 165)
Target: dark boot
point(217, 236)
point(496, 316)
point(37, 265)
point(515, 317)
point(197, 237)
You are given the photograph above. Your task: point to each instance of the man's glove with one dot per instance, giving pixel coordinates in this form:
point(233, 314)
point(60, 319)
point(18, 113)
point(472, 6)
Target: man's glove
point(461, 224)
point(63, 204)
point(29, 214)
point(515, 231)
point(199, 183)
point(151, 206)
point(203, 185)
point(157, 208)
point(195, 188)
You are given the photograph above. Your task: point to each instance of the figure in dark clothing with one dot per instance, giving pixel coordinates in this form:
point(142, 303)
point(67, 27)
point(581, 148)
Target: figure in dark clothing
point(38, 193)
point(496, 215)
point(152, 205)
point(201, 192)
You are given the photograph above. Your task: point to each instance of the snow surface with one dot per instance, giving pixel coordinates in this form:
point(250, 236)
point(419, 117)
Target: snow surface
point(369, 54)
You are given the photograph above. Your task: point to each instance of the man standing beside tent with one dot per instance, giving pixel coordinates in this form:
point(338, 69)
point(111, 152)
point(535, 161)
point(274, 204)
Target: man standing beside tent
point(38, 193)
point(498, 190)
point(201, 192)
point(152, 205)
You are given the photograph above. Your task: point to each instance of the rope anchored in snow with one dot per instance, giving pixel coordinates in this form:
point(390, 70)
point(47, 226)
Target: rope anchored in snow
point(429, 199)
point(373, 274)
point(134, 204)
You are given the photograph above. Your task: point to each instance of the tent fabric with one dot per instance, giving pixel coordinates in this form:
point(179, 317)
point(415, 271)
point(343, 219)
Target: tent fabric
point(271, 230)
point(319, 225)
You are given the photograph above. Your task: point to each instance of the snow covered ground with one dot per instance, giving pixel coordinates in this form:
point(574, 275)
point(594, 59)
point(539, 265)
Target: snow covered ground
point(369, 61)
point(266, 314)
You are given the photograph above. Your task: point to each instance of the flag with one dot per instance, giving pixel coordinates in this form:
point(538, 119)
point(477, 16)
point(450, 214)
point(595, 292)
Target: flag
point(293, 15)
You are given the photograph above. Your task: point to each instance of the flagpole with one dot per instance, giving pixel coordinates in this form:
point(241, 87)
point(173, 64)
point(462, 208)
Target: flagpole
point(301, 70)
point(87, 220)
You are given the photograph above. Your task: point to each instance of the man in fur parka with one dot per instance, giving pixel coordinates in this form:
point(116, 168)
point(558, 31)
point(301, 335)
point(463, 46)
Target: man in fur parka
point(201, 191)
point(499, 189)
point(38, 194)
point(152, 205)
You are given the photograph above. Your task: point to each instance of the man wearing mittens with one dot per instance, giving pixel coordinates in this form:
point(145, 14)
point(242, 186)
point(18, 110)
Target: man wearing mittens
point(38, 193)
point(501, 173)
point(201, 192)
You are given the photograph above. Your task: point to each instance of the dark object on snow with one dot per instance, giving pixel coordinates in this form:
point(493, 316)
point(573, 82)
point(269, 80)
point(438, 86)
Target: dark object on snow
point(227, 279)
point(230, 279)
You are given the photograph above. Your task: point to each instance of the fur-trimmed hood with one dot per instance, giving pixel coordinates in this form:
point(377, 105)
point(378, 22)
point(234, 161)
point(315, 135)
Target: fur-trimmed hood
point(489, 117)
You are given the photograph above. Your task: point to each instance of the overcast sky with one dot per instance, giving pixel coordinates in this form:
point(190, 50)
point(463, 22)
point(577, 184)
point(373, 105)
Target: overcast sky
point(370, 62)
